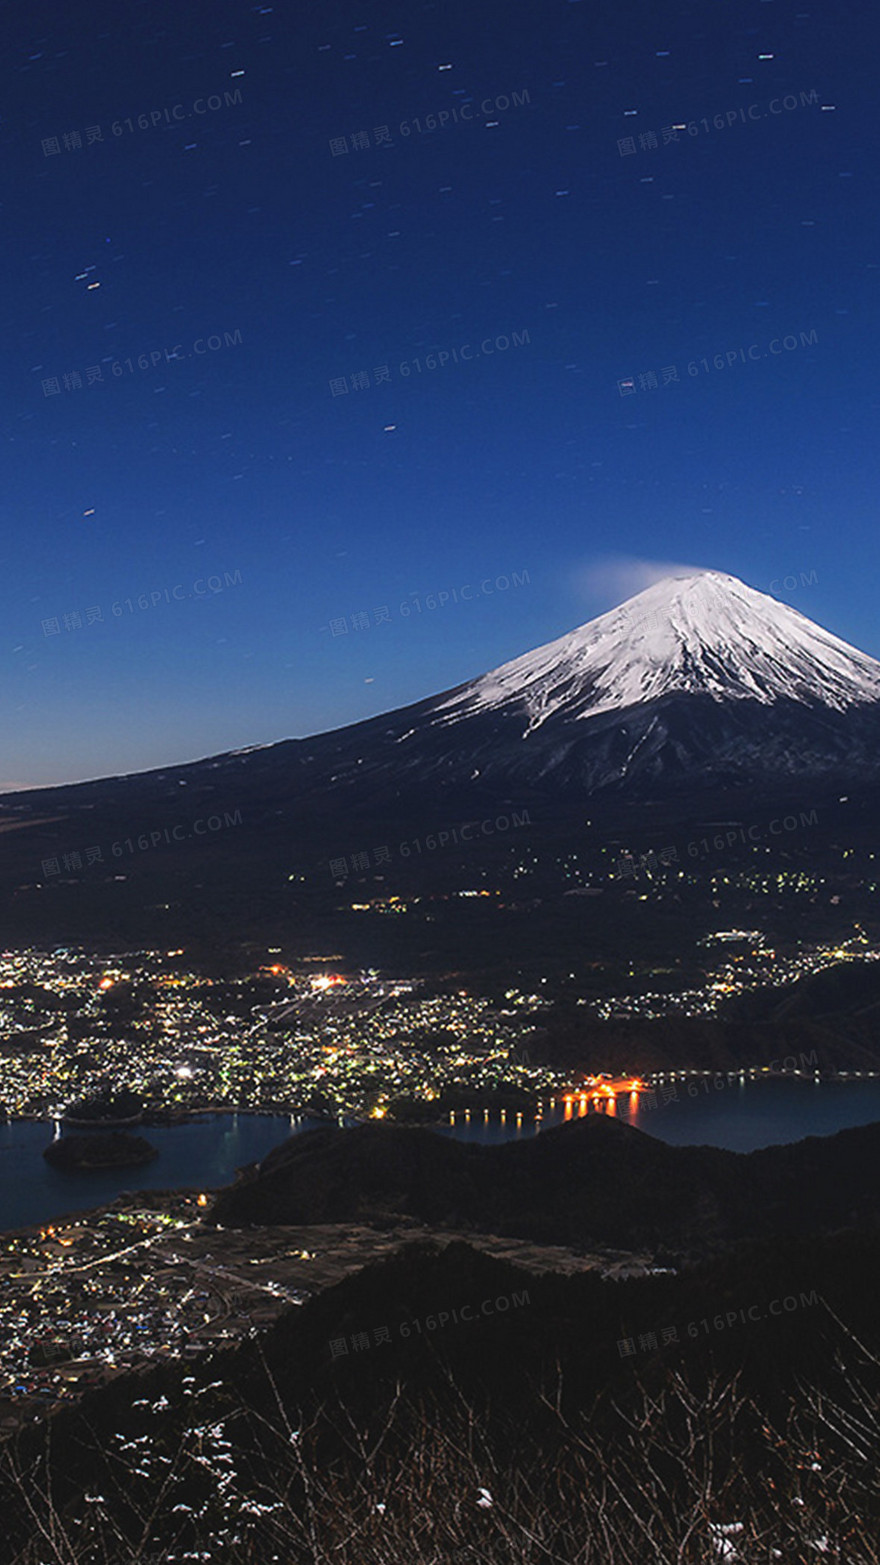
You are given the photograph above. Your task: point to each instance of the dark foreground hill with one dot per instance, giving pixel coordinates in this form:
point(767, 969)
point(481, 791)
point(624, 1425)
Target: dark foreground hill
point(594, 1181)
point(568, 1419)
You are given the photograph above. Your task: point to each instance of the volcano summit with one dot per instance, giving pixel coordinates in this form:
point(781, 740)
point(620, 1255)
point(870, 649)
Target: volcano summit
point(697, 680)
point(701, 634)
point(698, 697)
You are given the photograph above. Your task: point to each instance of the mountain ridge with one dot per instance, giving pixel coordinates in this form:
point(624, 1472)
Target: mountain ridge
point(716, 694)
point(549, 745)
point(594, 1181)
point(704, 633)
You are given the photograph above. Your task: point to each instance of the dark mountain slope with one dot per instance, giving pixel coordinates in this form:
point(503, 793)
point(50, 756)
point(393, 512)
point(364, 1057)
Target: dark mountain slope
point(179, 1457)
point(595, 1181)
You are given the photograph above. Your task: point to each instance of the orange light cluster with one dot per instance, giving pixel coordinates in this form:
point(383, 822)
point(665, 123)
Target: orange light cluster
point(597, 1088)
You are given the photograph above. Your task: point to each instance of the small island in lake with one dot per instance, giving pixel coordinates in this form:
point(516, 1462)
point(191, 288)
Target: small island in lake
point(106, 1110)
point(117, 1150)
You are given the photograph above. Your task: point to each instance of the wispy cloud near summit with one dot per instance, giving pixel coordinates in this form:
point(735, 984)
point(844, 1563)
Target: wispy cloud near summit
point(614, 578)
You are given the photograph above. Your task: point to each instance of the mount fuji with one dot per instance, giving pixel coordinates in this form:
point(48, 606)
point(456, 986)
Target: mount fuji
point(698, 700)
point(702, 634)
point(699, 682)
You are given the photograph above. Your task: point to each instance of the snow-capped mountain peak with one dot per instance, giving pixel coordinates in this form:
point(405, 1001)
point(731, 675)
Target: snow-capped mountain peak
point(703, 633)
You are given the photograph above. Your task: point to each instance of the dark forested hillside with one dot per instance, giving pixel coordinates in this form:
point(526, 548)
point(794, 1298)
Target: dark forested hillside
point(372, 1410)
point(595, 1181)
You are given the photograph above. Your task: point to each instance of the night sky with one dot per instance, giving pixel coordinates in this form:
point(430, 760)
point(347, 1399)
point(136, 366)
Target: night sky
point(330, 248)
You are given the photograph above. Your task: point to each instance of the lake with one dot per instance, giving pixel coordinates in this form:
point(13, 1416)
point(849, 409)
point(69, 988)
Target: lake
point(714, 1111)
point(709, 1111)
point(204, 1153)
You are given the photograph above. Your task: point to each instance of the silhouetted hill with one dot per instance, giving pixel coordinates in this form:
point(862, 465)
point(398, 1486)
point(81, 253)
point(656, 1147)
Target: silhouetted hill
point(841, 990)
point(594, 1181)
point(752, 1030)
point(158, 1450)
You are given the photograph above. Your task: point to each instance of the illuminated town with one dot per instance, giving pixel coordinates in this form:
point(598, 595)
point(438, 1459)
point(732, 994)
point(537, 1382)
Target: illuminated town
point(755, 967)
point(86, 1297)
point(291, 1041)
point(364, 1045)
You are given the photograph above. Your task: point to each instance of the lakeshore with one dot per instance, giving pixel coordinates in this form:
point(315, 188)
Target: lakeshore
point(207, 1151)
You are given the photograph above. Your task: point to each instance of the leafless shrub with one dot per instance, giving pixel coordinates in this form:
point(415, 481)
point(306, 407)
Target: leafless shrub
point(679, 1473)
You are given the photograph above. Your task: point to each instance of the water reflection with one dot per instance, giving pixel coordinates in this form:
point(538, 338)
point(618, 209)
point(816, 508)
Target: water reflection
point(736, 1113)
point(730, 1111)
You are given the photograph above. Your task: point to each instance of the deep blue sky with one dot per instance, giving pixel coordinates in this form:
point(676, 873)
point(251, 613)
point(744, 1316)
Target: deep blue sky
point(242, 460)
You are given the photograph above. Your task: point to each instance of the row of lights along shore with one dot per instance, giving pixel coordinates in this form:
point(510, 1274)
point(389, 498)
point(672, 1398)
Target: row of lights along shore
point(608, 1091)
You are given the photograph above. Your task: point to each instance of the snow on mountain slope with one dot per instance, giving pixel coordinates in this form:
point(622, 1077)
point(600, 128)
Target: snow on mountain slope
point(705, 633)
